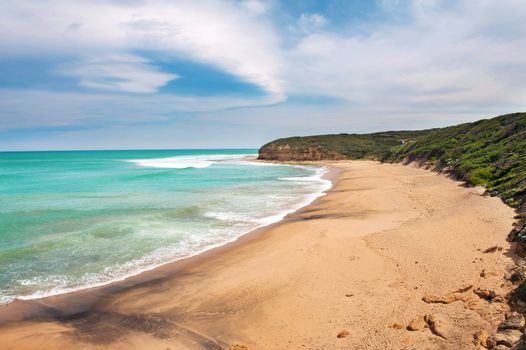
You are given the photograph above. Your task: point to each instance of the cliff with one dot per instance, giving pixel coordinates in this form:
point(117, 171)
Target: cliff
point(284, 152)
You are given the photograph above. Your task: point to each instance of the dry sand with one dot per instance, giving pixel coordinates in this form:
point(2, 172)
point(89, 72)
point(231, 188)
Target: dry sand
point(359, 259)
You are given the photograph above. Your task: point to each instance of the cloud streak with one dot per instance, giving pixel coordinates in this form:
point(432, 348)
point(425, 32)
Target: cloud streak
point(37, 108)
point(232, 36)
point(126, 73)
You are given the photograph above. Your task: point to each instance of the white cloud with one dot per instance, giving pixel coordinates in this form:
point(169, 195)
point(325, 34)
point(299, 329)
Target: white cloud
point(126, 73)
point(466, 55)
point(256, 7)
point(311, 22)
point(229, 35)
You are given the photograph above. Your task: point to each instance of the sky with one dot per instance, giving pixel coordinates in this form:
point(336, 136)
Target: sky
point(141, 74)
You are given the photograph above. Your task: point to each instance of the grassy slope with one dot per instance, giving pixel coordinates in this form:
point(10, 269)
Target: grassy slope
point(489, 152)
point(353, 146)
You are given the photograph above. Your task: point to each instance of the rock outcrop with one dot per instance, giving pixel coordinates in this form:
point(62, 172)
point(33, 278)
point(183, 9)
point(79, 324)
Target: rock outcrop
point(418, 324)
point(287, 153)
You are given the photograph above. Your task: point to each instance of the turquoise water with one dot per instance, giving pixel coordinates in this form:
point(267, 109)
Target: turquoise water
point(71, 220)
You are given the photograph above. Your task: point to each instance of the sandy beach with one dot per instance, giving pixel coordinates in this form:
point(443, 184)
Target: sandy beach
point(349, 271)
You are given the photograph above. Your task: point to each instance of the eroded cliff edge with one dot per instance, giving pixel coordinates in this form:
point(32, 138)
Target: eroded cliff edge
point(286, 152)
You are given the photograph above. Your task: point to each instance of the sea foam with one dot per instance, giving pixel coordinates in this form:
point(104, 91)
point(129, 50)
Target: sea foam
point(183, 162)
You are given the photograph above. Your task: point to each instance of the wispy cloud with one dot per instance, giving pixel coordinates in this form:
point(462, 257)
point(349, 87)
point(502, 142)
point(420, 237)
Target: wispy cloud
point(31, 108)
point(126, 73)
point(311, 22)
point(233, 36)
point(461, 55)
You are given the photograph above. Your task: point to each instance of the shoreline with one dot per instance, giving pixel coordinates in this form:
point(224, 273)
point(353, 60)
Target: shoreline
point(358, 260)
point(68, 303)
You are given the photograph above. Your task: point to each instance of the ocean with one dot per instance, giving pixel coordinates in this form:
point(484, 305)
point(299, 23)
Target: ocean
point(77, 219)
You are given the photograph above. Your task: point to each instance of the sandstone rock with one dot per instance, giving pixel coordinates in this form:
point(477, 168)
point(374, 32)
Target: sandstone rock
point(507, 337)
point(417, 324)
point(485, 293)
point(500, 347)
point(498, 299)
point(492, 249)
point(438, 325)
point(474, 304)
point(463, 289)
point(397, 326)
point(514, 321)
point(491, 342)
point(481, 338)
point(343, 334)
point(238, 347)
point(445, 299)
point(434, 299)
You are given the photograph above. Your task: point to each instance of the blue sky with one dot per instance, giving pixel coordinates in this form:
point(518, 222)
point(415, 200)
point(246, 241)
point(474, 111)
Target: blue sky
point(117, 74)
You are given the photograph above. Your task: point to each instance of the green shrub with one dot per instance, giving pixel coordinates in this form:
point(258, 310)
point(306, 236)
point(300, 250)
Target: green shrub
point(481, 176)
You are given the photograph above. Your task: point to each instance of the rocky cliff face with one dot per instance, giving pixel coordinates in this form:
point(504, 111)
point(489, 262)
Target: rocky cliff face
point(287, 153)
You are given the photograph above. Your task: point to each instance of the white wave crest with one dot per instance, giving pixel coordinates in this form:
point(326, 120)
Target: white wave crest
point(227, 216)
point(183, 162)
point(314, 178)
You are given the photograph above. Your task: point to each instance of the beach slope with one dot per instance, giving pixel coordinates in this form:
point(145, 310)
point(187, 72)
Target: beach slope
point(349, 271)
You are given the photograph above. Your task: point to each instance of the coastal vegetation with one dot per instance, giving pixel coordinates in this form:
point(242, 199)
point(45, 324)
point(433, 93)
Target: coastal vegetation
point(490, 153)
point(350, 146)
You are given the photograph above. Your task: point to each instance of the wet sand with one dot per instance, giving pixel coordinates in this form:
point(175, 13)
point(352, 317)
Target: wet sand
point(358, 260)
